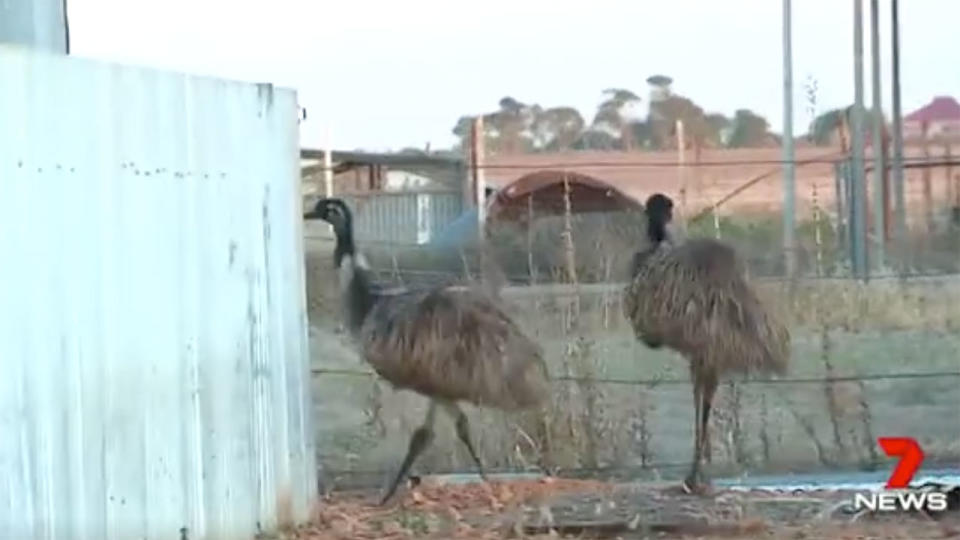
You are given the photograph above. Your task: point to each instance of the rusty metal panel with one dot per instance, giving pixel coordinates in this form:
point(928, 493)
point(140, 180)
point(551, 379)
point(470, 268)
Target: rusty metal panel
point(153, 341)
point(402, 218)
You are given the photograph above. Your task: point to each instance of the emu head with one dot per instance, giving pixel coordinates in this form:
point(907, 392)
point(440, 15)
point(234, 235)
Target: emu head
point(659, 209)
point(336, 213)
point(333, 211)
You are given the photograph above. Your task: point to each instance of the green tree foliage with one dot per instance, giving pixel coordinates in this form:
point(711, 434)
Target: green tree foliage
point(518, 127)
point(611, 117)
point(557, 128)
point(748, 130)
point(704, 130)
point(824, 127)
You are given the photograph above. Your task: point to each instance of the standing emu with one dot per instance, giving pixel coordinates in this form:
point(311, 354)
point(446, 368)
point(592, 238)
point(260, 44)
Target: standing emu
point(693, 297)
point(445, 344)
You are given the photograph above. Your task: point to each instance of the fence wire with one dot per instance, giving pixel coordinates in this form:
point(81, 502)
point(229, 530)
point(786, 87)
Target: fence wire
point(899, 331)
point(658, 382)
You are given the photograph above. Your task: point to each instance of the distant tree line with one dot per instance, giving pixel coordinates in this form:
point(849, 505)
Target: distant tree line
point(517, 127)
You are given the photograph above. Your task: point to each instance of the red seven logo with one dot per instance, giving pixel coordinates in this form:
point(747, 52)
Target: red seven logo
point(910, 454)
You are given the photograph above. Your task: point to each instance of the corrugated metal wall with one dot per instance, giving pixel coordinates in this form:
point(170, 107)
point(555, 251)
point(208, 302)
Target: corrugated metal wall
point(404, 218)
point(153, 349)
point(38, 24)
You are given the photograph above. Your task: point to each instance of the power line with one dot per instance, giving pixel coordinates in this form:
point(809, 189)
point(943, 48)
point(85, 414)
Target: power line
point(826, 159)
point(658, 382)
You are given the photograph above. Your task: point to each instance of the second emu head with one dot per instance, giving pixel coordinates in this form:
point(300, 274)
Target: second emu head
point(659, 209)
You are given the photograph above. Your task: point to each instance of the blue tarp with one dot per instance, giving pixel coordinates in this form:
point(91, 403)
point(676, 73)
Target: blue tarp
point(459, 232)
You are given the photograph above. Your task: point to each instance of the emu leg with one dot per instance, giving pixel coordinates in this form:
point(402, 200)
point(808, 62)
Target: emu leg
point(693, 480)
point(420, 439)
point(709, 390)
point(463, 432)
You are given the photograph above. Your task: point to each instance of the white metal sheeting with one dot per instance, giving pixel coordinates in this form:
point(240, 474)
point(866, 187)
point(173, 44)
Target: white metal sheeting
point(39, 24)
point(154, 372)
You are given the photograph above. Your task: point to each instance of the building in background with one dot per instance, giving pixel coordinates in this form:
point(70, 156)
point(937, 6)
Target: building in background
point(939, 119)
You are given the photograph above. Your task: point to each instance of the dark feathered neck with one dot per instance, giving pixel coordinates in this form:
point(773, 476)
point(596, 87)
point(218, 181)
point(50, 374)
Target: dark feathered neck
point(657, 235)
point(345, 246)
point(656, 230)
point(358, 295)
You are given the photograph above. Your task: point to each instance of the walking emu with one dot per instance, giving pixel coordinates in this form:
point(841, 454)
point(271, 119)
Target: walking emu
point(447, 345)
point(693, 297)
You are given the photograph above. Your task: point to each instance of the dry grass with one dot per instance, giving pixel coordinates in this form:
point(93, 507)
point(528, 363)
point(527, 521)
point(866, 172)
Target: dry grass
point(881, 327)
point(841, 329)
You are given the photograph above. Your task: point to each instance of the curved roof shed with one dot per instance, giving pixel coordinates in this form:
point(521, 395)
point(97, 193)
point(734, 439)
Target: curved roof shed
point(546, 189)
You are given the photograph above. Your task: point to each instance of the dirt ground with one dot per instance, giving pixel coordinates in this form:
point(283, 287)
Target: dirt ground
point(558, 508)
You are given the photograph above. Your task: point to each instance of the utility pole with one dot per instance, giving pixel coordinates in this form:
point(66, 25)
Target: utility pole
point(858, 208)
point(879, 163)
point(789, 176)
point(900, 216)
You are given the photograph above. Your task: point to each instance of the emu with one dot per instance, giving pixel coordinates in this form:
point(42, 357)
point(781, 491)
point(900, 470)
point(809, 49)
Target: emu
point(447, 345)
point(693, 297)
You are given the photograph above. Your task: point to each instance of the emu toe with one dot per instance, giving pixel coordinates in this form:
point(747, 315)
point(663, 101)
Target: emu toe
point(652, 343)
point(696, 483)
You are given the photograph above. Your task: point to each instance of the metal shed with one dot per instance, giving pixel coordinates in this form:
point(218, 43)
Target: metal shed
point(544, 191)
point(154, 371)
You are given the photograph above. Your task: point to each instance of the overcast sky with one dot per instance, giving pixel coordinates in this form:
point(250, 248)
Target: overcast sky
point(382, 74)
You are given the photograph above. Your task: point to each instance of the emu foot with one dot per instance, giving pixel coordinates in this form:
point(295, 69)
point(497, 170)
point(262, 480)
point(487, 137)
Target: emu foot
point(697, 483)
point(652, 342)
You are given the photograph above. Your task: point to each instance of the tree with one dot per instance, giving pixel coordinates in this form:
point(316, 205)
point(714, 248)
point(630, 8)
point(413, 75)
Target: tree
point(825, 126)
point(721, 126)
point(611, 116)
point(557, 128)
point(509, 130)
point(592, 139)
point(748, 130)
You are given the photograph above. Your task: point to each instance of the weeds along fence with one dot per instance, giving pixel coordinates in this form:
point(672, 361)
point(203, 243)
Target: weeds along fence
point(869, 359)
point(735, 195)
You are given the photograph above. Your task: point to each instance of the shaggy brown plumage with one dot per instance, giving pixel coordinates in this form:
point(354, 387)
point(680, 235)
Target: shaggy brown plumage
point(448, 345)
point(693, 297)
point(454, 345)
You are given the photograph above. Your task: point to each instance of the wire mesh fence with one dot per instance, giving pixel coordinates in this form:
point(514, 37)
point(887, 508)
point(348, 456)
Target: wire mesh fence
point(868, 359)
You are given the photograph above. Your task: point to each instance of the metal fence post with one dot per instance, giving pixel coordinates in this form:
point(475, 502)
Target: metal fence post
point(858, 204)
point(789, 179)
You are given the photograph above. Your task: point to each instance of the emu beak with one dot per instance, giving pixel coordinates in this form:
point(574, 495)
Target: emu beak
point(313, 214)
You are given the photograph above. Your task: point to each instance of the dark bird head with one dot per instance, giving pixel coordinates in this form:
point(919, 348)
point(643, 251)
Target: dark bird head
point(336, 213)
point(333, 211)
point(659, 209)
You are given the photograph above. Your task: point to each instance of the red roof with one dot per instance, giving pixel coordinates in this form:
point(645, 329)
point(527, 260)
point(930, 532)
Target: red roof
point(940, 109)
point(546, 186)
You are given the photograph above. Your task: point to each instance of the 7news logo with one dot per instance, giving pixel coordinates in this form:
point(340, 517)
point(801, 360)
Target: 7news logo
point(898, 495)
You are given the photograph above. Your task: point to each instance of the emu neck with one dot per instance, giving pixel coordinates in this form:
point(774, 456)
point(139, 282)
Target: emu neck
point(345, 246)
point(656, 231)
point(354, 280)
point(357, 296)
